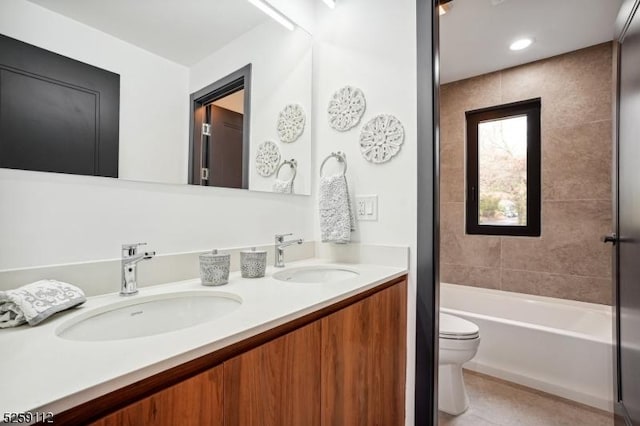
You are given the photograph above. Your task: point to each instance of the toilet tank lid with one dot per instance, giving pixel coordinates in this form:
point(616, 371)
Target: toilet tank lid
point(451, 325)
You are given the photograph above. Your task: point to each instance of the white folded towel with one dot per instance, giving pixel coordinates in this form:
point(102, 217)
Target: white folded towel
point(336, 216)
point(283, 186)
point(37, 301)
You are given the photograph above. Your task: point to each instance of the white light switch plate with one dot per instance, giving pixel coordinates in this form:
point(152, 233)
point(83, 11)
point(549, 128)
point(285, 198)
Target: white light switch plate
point(367, 207)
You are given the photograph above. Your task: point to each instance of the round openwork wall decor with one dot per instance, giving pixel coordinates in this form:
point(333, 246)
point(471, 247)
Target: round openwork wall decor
point(381, 138)
point(267, 158)
point(346, 108)
point(291, 122)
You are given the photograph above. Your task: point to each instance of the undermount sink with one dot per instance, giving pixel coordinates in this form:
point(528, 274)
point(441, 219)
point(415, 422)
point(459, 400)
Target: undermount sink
point(141, 316)
point(315, 274)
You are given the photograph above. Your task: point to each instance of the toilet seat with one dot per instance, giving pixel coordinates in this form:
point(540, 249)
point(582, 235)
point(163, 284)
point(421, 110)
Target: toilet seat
point(455, 328)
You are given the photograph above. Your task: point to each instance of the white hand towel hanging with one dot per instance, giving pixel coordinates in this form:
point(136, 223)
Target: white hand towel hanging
point(336, 215)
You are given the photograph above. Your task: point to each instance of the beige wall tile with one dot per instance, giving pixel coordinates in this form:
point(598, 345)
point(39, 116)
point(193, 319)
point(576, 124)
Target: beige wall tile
point(576, 162)
point(570, 242)
point(460, 249)
point(574, 287)
point(569, 259)
point(470, 94)
point(452, 140)
point(452, 184)
point(525, 82)
point(473, 276)
point(575, 88)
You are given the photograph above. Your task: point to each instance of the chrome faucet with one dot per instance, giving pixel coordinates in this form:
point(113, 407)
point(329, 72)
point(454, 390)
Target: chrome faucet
point(130, 259)
point(280, 246)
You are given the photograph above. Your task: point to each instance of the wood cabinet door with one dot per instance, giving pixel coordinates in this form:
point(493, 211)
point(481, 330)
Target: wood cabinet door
point(276, 384)
point(194, 402)
point(363, 361)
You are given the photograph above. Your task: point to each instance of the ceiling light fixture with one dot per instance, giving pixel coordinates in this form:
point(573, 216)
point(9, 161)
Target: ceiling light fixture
point(520, 44)
point(444, 6)
point(274, 13)
point(330, 3)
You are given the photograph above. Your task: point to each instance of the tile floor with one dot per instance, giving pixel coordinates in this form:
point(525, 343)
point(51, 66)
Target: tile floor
point(494, 402)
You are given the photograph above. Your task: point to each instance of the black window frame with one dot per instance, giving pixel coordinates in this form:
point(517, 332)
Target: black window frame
point(531, 108)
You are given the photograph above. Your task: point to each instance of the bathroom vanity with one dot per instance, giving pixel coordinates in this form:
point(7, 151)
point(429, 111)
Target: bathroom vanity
point(293, 353)
point(283, 349)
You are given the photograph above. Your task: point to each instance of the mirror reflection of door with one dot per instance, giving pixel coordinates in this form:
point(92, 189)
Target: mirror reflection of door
point(220, 133)
point(221, 142)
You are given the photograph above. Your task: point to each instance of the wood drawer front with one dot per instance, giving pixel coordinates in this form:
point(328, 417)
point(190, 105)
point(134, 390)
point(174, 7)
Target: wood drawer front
point(363, 361)
point(197, 401)
point(276, 384)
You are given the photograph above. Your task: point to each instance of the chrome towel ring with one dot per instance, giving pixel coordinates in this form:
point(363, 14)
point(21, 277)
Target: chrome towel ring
point(293, 164)
point(338, 155)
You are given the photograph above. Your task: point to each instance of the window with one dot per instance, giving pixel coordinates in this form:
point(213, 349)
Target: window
point(503, 170)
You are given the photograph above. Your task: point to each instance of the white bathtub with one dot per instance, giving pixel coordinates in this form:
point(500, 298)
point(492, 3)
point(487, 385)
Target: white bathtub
point(557, 346)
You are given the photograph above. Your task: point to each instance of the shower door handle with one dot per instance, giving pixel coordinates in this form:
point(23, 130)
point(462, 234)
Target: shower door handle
point(610, 238)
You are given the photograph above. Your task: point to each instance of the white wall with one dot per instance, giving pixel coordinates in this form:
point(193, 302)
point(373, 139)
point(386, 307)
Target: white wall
point(281, 63)
point(371, 44)
point(153, 103)
point(48, 218)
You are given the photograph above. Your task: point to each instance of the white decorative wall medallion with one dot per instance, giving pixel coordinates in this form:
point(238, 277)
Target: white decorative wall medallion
point(381, 138)
point(267, 158)
point(291, 122)
point(346, 108)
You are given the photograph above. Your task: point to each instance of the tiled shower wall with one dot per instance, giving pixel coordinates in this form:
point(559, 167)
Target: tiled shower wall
point(568, 261)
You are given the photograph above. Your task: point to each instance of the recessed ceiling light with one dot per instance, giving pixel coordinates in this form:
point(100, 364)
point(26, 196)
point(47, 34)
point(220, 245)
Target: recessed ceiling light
point(330, 3)
point(520, 44)
point(274, 13)
point(444, 6)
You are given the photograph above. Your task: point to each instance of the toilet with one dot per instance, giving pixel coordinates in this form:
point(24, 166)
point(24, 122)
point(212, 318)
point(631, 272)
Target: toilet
point(459, 340)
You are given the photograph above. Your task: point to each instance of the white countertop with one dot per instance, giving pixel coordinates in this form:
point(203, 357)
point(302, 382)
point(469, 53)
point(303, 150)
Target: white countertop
point(43, 372)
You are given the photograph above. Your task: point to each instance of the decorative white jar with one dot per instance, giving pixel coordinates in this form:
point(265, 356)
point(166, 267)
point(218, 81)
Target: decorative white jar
point(253, 263)
point(214, 268)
